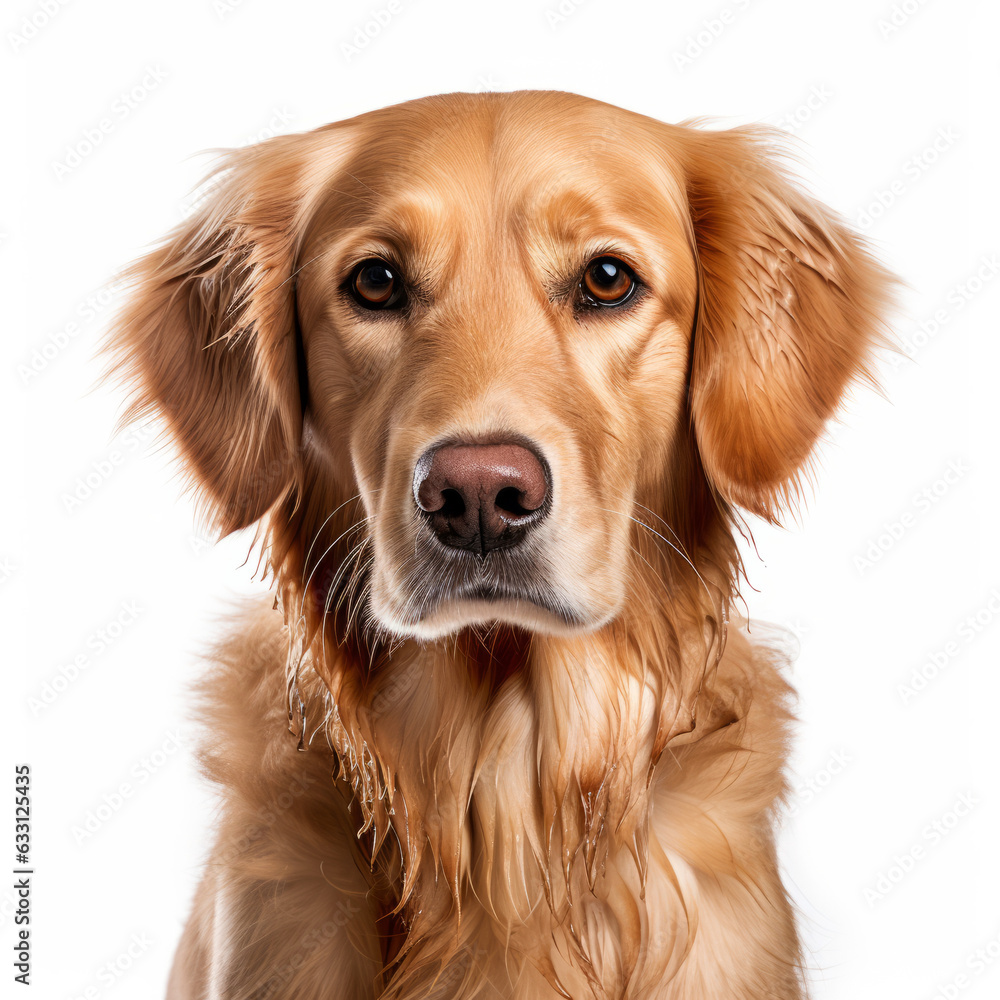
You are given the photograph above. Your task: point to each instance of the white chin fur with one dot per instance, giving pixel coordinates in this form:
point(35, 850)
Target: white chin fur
point(452, 616)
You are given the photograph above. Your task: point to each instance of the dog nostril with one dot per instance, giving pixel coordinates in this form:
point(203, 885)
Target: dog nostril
point(453, 506)
point(509, 501)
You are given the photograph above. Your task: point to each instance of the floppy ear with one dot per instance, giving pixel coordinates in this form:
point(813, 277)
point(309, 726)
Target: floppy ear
point(790, 310)
point(207, 338)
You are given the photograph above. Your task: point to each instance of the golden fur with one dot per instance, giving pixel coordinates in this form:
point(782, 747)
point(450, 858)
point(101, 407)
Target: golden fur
point(566, 792)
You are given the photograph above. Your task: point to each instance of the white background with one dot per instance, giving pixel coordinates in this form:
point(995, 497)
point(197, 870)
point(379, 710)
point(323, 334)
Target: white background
point(874, 771)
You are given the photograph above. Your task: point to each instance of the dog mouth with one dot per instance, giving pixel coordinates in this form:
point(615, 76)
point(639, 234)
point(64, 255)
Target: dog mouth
point(448, 589)
point(505, 594)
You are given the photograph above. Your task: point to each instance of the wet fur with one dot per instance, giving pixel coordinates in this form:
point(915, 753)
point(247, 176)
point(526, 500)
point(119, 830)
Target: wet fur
point(419, 801)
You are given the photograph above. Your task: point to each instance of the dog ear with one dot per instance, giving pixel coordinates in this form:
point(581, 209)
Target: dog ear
point(790, 312)
point(207, 338)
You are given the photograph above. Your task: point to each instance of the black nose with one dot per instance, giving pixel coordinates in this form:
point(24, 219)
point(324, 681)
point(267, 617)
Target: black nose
point(481, 497)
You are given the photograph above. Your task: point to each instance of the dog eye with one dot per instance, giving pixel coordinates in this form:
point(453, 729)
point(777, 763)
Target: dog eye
point(607, 281)
point(374, 284)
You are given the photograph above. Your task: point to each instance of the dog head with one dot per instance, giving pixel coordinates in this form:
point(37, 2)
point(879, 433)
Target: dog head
point(461, 352)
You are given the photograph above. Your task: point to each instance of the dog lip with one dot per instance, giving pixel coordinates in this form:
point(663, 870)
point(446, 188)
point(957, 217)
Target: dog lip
point(487, 592)
point(496, 593)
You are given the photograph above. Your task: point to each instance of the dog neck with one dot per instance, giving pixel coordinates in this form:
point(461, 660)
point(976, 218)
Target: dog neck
point(502, 780)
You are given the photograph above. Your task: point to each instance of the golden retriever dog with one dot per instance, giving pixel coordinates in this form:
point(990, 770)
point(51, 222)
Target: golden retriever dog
point(494, 376)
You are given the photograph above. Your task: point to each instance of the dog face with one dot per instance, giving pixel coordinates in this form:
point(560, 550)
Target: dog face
point(487, 335)
point(496, 327)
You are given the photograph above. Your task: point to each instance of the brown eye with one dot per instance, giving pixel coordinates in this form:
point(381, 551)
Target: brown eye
point(607, 282)
point(375, 284)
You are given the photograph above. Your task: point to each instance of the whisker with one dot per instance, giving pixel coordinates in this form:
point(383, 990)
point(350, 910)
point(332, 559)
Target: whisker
point(319, 530)
point(319, 562)
point(661, 519)
point(680, 551)
point(346, 591)
point(350, 559)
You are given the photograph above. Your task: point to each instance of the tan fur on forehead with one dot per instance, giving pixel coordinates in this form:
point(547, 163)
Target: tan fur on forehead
point(576, 800)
